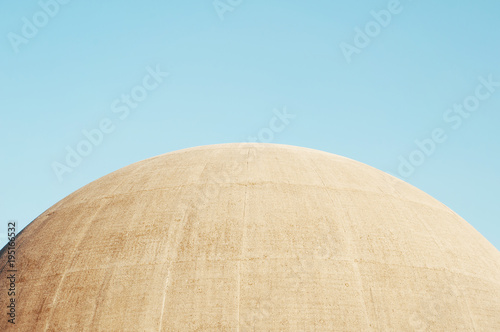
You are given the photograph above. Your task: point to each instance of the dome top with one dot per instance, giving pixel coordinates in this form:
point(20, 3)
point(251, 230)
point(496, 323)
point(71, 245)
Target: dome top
point(244, 236)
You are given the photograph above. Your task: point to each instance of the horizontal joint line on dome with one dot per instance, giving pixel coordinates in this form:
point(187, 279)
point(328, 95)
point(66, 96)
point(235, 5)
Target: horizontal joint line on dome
point(334, 259)
point(440, 207)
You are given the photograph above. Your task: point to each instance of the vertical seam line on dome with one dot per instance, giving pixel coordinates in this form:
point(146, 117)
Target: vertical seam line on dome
point(68, 266)
point(438, 244)
point(242, 243)
point(349, 239)
point(73, 255)
point(173, 259)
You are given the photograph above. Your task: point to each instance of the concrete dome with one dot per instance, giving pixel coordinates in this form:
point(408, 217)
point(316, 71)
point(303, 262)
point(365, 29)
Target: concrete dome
point(237, 237)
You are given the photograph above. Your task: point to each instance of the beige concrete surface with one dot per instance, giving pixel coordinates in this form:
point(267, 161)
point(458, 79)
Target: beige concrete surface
point(253, 237)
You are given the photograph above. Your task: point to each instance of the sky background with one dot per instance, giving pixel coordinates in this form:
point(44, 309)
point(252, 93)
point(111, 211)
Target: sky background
point(229, 72)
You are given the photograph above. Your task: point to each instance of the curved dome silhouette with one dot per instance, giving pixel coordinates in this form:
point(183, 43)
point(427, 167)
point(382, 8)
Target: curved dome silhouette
point(253, 236)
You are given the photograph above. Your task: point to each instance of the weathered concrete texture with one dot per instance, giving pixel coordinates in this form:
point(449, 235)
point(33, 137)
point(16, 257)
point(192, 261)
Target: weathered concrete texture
point(253, 236)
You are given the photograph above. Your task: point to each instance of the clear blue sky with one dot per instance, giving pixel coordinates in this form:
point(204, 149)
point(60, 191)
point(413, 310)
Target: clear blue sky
point(230, 69)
